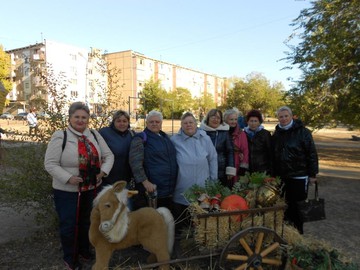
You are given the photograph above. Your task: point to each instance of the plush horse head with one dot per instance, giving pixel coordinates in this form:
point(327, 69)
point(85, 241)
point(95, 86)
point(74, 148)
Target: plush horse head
point(113, 227)
point(112, 205)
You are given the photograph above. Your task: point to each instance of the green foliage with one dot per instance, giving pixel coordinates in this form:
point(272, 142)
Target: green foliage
point(255, 92)
point(27, 184)
point(5, 82)
point(210, 188)
point(151, 96)
point(318, 257)
point(204, 103)
point(329, 57)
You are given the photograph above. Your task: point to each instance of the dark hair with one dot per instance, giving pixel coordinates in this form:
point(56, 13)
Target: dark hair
point(118, 114)
point(254, 113)
point(213, 112)
point(78, 106)
point(187, 114)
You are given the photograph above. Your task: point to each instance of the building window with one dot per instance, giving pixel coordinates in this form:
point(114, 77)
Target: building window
point(73, 57)
point(74, 94)
point(141, 61)
point(27, 85)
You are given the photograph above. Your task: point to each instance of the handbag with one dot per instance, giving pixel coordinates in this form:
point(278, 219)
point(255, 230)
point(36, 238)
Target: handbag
point(312, 209)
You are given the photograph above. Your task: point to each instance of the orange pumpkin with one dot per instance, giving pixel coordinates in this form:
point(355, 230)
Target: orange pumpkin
point(234, 202)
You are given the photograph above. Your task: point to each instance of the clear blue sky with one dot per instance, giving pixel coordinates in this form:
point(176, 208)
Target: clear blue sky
point(226, 38)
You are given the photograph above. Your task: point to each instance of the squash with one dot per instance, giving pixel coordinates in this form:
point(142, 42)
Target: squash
point(233, 203)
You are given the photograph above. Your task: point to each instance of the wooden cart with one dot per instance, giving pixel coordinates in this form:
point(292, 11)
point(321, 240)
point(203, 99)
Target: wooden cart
point(246, 239)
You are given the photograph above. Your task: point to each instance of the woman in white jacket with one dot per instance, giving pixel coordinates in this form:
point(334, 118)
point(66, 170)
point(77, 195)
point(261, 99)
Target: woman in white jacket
point(77, 159)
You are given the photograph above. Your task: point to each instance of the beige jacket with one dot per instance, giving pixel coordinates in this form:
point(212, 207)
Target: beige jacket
point(61, 165)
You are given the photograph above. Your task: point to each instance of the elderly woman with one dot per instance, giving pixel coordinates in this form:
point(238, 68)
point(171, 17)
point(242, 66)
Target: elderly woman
point(296, 161)
point(153, 162)
point(118, 137)
point(197, 160)
point(77, 160)
point(218, 131)
point(241, 150)
point(259, 139)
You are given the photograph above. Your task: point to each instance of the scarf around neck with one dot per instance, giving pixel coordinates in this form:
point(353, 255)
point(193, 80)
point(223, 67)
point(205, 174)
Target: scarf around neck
point(89, 163)
point(287, 126)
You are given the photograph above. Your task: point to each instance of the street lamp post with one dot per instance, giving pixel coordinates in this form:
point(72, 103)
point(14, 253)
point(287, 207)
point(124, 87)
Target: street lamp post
point(130, 98)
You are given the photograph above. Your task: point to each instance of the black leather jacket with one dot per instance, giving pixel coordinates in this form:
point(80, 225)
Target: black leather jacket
point(223, 145)
point(294, 152)
point(260, 152)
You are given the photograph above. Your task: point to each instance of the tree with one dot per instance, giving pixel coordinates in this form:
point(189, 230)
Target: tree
point(180, 101)
point(151, 96)
point(255, 92)
point(328, 56)
point(204, 103)
point(5, 82)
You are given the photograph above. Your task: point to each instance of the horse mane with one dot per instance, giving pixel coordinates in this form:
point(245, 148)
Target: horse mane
point(121, 196)
point(100, 194)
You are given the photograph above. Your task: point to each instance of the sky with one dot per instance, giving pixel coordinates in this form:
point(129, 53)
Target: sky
point(222, 37)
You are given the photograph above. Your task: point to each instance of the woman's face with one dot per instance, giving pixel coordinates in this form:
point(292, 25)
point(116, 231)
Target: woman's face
point(154, 124)
point(188, 125)
point(231, 120)
point(214, 121)
point(121, 123)
point(253, 123)
point(284, 118)
point(79, 120)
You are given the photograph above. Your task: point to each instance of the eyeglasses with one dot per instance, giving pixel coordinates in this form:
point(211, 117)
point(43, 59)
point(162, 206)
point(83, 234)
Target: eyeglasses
point(215, 117)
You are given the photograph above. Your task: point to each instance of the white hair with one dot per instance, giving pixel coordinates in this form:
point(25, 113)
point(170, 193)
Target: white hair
point(284, 108)
point(154, 113)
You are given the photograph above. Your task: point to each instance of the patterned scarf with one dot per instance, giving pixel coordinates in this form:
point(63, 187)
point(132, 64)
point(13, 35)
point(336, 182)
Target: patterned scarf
point(89, 164)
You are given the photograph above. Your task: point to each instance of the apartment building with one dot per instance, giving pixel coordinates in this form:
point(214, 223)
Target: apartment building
point(135, 69)
point(83, 76)
point(73, 67)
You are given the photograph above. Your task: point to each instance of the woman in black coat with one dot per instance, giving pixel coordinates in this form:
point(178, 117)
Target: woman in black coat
point(218, 131)
point(259, 141)
point(295, 161)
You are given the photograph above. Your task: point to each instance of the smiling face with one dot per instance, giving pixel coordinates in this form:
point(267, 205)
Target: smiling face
point(154, 124)
point(121, 123)
point(79, 120)
point(231, 120)
point(215, 120)
point(284, 118)
point(188, 125)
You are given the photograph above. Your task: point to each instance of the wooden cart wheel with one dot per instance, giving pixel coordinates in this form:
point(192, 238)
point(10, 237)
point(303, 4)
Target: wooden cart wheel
point(253, 248)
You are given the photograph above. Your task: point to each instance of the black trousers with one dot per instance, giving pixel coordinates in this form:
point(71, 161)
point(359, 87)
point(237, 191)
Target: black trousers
point(294, 190)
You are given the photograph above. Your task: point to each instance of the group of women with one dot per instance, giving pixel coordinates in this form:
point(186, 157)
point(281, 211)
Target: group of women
point(85, 160)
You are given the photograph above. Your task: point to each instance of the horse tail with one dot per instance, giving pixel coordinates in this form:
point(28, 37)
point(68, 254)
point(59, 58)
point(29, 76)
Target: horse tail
point(170, 224)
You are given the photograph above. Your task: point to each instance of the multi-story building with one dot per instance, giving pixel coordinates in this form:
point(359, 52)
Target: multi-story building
point(86, 76)
point(136, 68)
point(73, 68)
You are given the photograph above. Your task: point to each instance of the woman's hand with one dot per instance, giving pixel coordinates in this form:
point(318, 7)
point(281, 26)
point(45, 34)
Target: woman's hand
point(75, 180)
point(150, 187)
point(312, 180)
point(100, 176)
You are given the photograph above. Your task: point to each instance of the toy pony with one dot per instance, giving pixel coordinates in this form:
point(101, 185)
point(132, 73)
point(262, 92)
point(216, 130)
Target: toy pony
point(113, 227)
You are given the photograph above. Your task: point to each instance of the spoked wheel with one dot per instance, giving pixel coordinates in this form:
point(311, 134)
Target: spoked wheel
point(254, 248)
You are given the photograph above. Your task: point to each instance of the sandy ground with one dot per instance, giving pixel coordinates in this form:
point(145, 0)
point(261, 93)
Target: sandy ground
point(23, 247)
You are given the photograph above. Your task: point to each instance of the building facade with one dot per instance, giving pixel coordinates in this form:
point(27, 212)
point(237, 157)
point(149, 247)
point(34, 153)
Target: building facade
point(72, 67)
point(135, 69)
point(85, 76)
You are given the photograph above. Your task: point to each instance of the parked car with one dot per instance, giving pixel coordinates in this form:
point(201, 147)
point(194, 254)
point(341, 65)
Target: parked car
point(43, 115)
point(7, 116)
point(21, 116)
